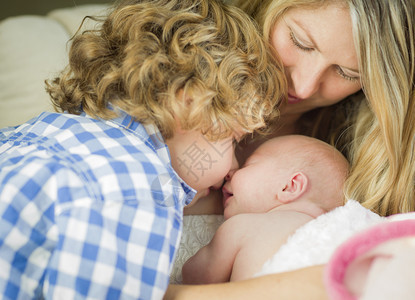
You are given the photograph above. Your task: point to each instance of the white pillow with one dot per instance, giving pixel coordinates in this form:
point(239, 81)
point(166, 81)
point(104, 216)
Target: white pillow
point(35, 48)
point(71, 18)
point(32, 49)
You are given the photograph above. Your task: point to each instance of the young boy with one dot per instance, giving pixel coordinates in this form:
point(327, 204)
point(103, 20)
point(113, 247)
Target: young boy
point(91, 198)
point(285, 183)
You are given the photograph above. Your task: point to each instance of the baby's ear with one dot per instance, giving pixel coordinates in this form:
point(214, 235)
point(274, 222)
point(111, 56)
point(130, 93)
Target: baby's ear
point(294, 189)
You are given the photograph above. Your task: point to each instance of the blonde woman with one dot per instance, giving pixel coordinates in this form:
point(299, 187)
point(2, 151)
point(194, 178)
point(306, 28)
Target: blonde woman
point(350, 69)
point(333, 49)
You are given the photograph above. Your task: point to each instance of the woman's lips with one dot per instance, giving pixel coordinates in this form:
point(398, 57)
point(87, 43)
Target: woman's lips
point(293, 99)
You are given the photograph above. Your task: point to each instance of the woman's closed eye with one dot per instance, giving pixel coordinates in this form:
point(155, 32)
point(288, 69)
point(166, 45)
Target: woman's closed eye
point(339, 70)
point(299, 44)
point(342, 73)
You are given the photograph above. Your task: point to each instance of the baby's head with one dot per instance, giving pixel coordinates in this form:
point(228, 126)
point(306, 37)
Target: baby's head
point(198, 61)
point(288, 172)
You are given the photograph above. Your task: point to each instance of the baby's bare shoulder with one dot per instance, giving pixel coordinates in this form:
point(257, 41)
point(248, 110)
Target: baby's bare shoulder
point(288, 220)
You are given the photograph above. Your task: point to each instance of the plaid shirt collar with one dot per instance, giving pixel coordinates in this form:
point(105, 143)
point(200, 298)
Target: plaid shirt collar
point(153, 138)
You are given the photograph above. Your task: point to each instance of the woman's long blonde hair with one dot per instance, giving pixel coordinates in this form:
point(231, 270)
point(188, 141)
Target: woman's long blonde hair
point(377, 135)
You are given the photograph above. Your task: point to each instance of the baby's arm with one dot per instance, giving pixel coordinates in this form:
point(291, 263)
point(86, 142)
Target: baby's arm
point(213, 263)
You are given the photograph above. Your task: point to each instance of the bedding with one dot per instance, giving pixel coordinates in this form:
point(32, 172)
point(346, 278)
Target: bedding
point(198, 231)
point(311, 244)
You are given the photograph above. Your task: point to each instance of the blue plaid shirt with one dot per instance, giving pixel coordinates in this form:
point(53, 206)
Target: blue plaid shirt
point(88, 209)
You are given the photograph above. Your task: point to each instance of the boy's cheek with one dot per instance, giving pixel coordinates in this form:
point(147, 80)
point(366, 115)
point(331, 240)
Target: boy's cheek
point(219, 184)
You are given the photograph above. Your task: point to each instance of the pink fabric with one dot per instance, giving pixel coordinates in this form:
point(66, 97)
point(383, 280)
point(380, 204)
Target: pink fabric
point(356, 247)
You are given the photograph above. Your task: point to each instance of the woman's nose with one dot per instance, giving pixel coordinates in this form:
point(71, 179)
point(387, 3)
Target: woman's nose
point(306, 79)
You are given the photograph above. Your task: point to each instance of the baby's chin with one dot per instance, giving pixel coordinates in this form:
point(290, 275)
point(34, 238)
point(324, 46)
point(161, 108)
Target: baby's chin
point(228, 213)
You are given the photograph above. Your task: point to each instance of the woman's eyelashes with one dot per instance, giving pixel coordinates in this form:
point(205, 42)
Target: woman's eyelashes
point(302, 47)
point(340, 71)
point(298, 44)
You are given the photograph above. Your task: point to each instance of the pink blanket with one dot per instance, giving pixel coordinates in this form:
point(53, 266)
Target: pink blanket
point(377, 263)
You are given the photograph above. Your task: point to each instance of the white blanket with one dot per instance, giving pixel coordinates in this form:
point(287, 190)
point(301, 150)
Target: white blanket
point(315, 242)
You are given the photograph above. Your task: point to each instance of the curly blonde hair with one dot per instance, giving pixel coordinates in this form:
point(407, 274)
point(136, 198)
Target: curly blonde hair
point(146, 52)
point(374, 129)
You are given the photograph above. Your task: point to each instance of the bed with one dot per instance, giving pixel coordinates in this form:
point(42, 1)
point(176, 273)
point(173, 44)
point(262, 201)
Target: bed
point(34, 48)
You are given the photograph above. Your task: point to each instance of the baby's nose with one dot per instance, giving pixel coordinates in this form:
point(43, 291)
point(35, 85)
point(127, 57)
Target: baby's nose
point(228, 176)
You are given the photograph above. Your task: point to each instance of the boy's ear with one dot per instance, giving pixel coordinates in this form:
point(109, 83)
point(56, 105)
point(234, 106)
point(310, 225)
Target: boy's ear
point(294, 189)
point(184, 104)
point(185, 98)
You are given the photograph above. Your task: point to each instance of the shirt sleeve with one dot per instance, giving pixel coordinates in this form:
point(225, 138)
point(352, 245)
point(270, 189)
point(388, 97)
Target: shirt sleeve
point(27, 224)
